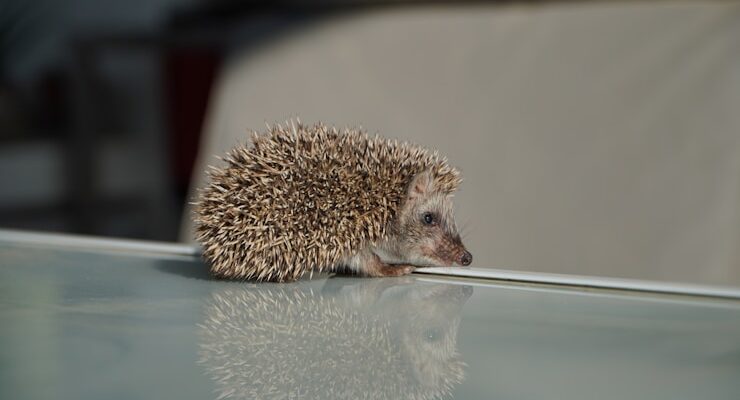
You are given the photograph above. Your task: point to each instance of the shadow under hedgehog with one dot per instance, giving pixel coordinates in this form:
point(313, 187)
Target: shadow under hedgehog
point(304, 199)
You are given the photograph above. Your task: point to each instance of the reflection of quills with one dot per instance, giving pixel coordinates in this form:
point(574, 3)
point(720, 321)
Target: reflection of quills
point(287, 343)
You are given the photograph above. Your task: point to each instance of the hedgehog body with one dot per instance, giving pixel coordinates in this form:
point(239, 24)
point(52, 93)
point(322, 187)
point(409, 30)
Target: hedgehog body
point(303, 199)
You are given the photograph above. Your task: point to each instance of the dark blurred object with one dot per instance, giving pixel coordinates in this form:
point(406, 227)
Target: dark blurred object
point(100, 137)
point(15, 22)
point(189, 74)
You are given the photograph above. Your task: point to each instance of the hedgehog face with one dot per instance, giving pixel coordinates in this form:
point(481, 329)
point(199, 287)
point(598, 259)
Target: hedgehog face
point(427, 232)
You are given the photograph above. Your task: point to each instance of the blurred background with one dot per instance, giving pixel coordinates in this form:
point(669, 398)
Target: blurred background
point(595, 138)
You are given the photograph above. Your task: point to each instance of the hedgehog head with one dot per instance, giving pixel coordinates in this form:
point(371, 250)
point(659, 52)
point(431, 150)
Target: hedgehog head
point(426, 229)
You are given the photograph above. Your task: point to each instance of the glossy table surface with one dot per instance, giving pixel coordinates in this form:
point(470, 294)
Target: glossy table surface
point(101, 324)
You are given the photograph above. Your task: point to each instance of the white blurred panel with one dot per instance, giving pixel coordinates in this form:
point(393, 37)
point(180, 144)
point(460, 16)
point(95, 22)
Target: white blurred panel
point(597, 139)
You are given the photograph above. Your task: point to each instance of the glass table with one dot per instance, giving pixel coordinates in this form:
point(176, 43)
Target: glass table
point(97, 319)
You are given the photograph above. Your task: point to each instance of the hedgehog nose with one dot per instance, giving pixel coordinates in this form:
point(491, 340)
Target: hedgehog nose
point(466, 258)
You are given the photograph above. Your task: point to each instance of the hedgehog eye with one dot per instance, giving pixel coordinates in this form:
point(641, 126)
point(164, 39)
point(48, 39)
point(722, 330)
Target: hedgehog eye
point(429, 218)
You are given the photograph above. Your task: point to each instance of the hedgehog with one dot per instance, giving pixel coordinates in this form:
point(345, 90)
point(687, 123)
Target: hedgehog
point(313, 198)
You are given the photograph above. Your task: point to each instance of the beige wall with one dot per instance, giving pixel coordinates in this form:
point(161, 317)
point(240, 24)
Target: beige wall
point(599, 139)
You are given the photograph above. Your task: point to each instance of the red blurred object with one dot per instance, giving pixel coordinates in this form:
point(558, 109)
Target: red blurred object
point(189, 76)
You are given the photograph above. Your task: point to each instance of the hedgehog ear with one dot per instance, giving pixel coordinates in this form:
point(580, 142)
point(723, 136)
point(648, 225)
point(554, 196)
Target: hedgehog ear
point(422, 185)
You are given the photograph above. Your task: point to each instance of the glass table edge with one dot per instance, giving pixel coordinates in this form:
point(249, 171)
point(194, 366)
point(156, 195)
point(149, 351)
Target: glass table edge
point(491, 276)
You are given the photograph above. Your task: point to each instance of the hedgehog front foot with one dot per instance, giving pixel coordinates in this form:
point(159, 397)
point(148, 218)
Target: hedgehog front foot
point(395, 270)
point(377, 268)
point(367, 263)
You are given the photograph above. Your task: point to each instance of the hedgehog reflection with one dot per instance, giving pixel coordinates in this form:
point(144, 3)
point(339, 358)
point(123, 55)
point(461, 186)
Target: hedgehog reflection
point(374, 339)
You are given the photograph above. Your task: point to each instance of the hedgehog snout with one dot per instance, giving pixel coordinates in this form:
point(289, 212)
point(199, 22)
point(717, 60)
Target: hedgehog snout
point(466, 258)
